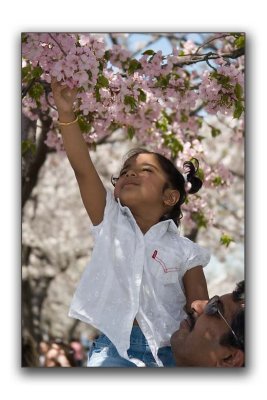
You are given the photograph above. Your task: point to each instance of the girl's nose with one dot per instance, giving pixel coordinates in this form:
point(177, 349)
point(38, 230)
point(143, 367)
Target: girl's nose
point(130, 172)
point(198, 306)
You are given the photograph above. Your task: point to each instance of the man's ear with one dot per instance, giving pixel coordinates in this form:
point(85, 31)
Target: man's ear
point(171, 197)
point(234, 358)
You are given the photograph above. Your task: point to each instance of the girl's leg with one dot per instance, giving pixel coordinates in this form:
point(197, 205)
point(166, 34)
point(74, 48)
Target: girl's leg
point(140, 350)
point(166, 356)
point(104, 354)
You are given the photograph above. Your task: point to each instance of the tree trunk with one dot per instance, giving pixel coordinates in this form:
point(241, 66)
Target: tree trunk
point(29, 179)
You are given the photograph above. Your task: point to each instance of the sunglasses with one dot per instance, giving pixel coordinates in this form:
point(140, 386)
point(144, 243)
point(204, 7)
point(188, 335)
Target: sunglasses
point(215, 306)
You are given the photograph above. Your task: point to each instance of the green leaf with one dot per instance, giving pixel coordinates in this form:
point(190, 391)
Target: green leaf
point(171, 141)
point(240, 41)
point(163, 80)
point(217, 181)
point(84, 124)
point(101, 65)
point(187, 83)
point(149, 52)
point(142, 96)
point(36, 91)
point(25, 71)
point(200, 174)
point(226, 240)
point(239, 108)
point(97, 93)
point(200, 122)
point(176, 76)
point(215, 132)
point(24, 37)
point(199, 219)
point(107, 55)
point(168, 117)
point(222, 79)
point(184, 117)
point(102, 81)
point(29, 73)
point(28, 146)
point(226, 100)
point(130, 100)
point(134, 65)
point(238, 91)
point(162, 124)
point(130, 132)
point(37, 72)
point(114, 126)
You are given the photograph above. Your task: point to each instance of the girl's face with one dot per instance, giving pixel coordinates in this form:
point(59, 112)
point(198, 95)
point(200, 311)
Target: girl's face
point(142, 182)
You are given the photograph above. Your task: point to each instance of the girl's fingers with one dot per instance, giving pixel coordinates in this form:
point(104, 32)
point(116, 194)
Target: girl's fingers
point(62, 91)
point(55, 84)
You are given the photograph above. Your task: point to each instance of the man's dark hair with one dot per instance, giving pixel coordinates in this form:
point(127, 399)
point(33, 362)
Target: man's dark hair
point(238, 321)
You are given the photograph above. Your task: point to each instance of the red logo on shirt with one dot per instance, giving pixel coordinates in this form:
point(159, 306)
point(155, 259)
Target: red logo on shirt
point(162, 263)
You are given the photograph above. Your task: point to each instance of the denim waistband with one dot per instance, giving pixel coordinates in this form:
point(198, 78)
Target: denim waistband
point(137, 338)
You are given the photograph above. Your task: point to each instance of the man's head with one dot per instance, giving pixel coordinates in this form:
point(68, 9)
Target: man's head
point(213, 335)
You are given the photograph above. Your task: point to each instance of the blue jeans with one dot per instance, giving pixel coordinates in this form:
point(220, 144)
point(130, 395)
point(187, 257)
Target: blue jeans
point(104, 354)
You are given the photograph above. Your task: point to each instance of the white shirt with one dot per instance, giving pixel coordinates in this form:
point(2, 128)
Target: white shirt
point(135, 275)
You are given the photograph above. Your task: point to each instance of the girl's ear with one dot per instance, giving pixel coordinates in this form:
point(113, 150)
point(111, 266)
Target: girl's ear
point(171, 197)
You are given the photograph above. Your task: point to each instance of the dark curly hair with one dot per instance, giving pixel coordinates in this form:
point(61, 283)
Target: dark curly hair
point(176, 180)
point(238, 321)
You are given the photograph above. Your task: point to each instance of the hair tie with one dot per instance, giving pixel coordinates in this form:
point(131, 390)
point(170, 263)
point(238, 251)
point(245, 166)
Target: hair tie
point(192, 182)
point(187, 184)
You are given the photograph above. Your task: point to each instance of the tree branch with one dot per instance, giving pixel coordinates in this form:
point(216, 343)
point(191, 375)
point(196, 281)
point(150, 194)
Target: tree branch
point(65, 54)
point(27, 88)
point(210, 56)
point(211, 40)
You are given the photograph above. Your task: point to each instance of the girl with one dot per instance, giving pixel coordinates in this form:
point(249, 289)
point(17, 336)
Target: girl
point(142, 275)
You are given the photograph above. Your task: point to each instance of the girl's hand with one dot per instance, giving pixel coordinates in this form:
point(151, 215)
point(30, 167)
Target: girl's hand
point(64, 98)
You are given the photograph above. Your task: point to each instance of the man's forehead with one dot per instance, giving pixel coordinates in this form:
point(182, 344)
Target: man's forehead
point(229, 305)
point(226, 297)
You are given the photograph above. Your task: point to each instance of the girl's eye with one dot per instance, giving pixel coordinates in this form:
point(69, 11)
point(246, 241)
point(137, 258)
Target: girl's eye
point(123, 172)
point(147, 169)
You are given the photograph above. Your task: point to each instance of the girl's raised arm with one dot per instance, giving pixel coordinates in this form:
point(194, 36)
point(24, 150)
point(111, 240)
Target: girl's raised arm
point(91, 187)
point(195, 286)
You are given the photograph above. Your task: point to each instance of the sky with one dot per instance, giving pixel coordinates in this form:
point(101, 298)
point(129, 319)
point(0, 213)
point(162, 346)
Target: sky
point(136, 40)
point(135, 16)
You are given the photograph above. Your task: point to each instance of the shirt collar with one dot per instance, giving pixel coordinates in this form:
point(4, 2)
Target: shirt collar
point(167, 225)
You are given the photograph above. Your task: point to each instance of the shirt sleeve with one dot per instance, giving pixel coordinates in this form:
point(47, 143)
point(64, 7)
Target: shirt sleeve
point(196, 255)
point(109, 207)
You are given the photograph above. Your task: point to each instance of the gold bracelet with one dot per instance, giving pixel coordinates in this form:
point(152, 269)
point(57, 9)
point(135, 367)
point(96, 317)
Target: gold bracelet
point(67, 123)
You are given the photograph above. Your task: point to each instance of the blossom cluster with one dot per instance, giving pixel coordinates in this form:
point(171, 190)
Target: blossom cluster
point(222, 90)
point(153, 98)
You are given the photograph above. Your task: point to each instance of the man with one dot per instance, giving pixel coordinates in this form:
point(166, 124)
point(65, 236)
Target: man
point(213, 334)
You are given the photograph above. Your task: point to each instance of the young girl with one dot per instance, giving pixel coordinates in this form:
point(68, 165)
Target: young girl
point(142, 276)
